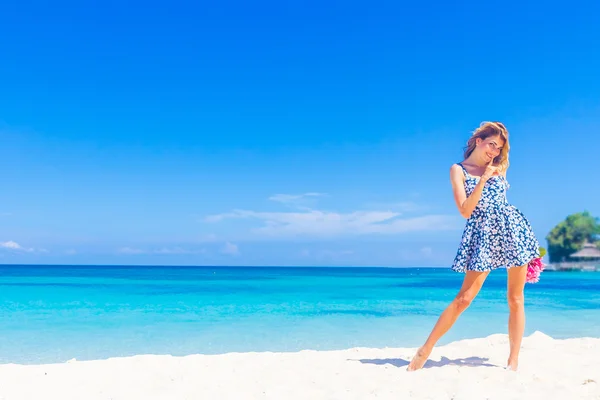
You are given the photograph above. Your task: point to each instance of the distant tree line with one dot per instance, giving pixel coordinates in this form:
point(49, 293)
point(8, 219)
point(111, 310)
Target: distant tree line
point(570, 235)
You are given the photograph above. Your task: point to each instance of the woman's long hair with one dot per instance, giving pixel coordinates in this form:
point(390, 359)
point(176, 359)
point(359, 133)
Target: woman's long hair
point(485, 130)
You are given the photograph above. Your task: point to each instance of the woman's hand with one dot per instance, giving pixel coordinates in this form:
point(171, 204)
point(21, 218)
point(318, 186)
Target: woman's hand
point(490, 171)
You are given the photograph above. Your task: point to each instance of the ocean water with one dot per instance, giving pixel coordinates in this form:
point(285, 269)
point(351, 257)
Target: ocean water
point(55, 313)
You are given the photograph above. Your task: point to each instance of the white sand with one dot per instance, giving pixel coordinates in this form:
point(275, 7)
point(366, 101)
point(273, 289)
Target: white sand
point(468, 369)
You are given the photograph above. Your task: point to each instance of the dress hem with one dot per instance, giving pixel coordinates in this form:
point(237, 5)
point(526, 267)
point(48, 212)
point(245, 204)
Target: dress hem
point(506, 266)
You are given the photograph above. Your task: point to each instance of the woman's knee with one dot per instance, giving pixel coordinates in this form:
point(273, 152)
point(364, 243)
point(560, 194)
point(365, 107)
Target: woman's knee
point(515, 300)
point(464, 299)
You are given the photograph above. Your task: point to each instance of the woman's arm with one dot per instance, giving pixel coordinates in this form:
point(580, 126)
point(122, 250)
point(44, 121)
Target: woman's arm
point(465, 204)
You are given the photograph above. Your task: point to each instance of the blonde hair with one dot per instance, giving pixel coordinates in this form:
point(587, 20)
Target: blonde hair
point(486, 130)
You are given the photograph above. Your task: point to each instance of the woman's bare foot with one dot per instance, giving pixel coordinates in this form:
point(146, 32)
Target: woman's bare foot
point(419, 359)
point(512, 364)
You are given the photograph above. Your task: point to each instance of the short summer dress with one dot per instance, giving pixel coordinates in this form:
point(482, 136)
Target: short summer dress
point(496, 234)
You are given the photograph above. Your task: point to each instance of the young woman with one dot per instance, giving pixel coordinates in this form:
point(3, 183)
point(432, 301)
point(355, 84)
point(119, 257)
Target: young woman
point(496, 235)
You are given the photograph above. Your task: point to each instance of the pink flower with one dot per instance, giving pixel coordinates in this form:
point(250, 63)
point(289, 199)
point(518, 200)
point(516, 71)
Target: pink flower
point(534, 269)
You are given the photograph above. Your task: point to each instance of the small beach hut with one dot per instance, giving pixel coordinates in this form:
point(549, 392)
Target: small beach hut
point(589, 252)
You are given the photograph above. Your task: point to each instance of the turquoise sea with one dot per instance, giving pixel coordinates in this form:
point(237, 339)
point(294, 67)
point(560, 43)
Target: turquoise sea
point(55, 313)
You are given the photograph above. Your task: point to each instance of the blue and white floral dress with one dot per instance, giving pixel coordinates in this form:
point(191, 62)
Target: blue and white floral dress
point(497, 234)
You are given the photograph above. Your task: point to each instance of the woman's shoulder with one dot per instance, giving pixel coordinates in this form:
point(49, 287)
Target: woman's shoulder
point(456, 168)
point(457, 172)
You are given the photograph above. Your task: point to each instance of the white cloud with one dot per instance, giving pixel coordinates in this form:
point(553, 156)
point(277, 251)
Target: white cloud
point(71, 252)
point(384, 219)
point(220, 217)
point(230, 248)
point(298, 201)
point(11, 245)
point(316, 223)
point(293, 198)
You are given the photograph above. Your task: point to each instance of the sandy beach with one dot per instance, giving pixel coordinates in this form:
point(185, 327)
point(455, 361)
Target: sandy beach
point(467, 369)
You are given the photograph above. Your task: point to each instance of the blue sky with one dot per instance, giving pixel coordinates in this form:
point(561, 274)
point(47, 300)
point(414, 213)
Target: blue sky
point(283, 133)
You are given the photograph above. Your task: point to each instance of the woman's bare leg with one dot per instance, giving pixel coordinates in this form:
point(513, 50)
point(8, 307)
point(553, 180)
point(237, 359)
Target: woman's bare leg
point(471, 285)
point(516, 318)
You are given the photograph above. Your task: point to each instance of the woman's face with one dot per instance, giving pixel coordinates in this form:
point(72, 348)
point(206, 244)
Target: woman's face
point(491, 147)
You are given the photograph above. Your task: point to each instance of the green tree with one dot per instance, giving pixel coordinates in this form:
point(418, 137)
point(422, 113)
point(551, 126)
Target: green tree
point(569, 236)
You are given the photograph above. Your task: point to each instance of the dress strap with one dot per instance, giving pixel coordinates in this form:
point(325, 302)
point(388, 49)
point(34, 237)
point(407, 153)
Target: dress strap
point(463, 168)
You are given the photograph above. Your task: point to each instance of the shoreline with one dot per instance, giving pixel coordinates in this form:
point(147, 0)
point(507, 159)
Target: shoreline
point(464, 369)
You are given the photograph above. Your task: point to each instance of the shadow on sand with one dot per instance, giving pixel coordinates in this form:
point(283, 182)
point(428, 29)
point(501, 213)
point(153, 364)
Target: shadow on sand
point(463, 362)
